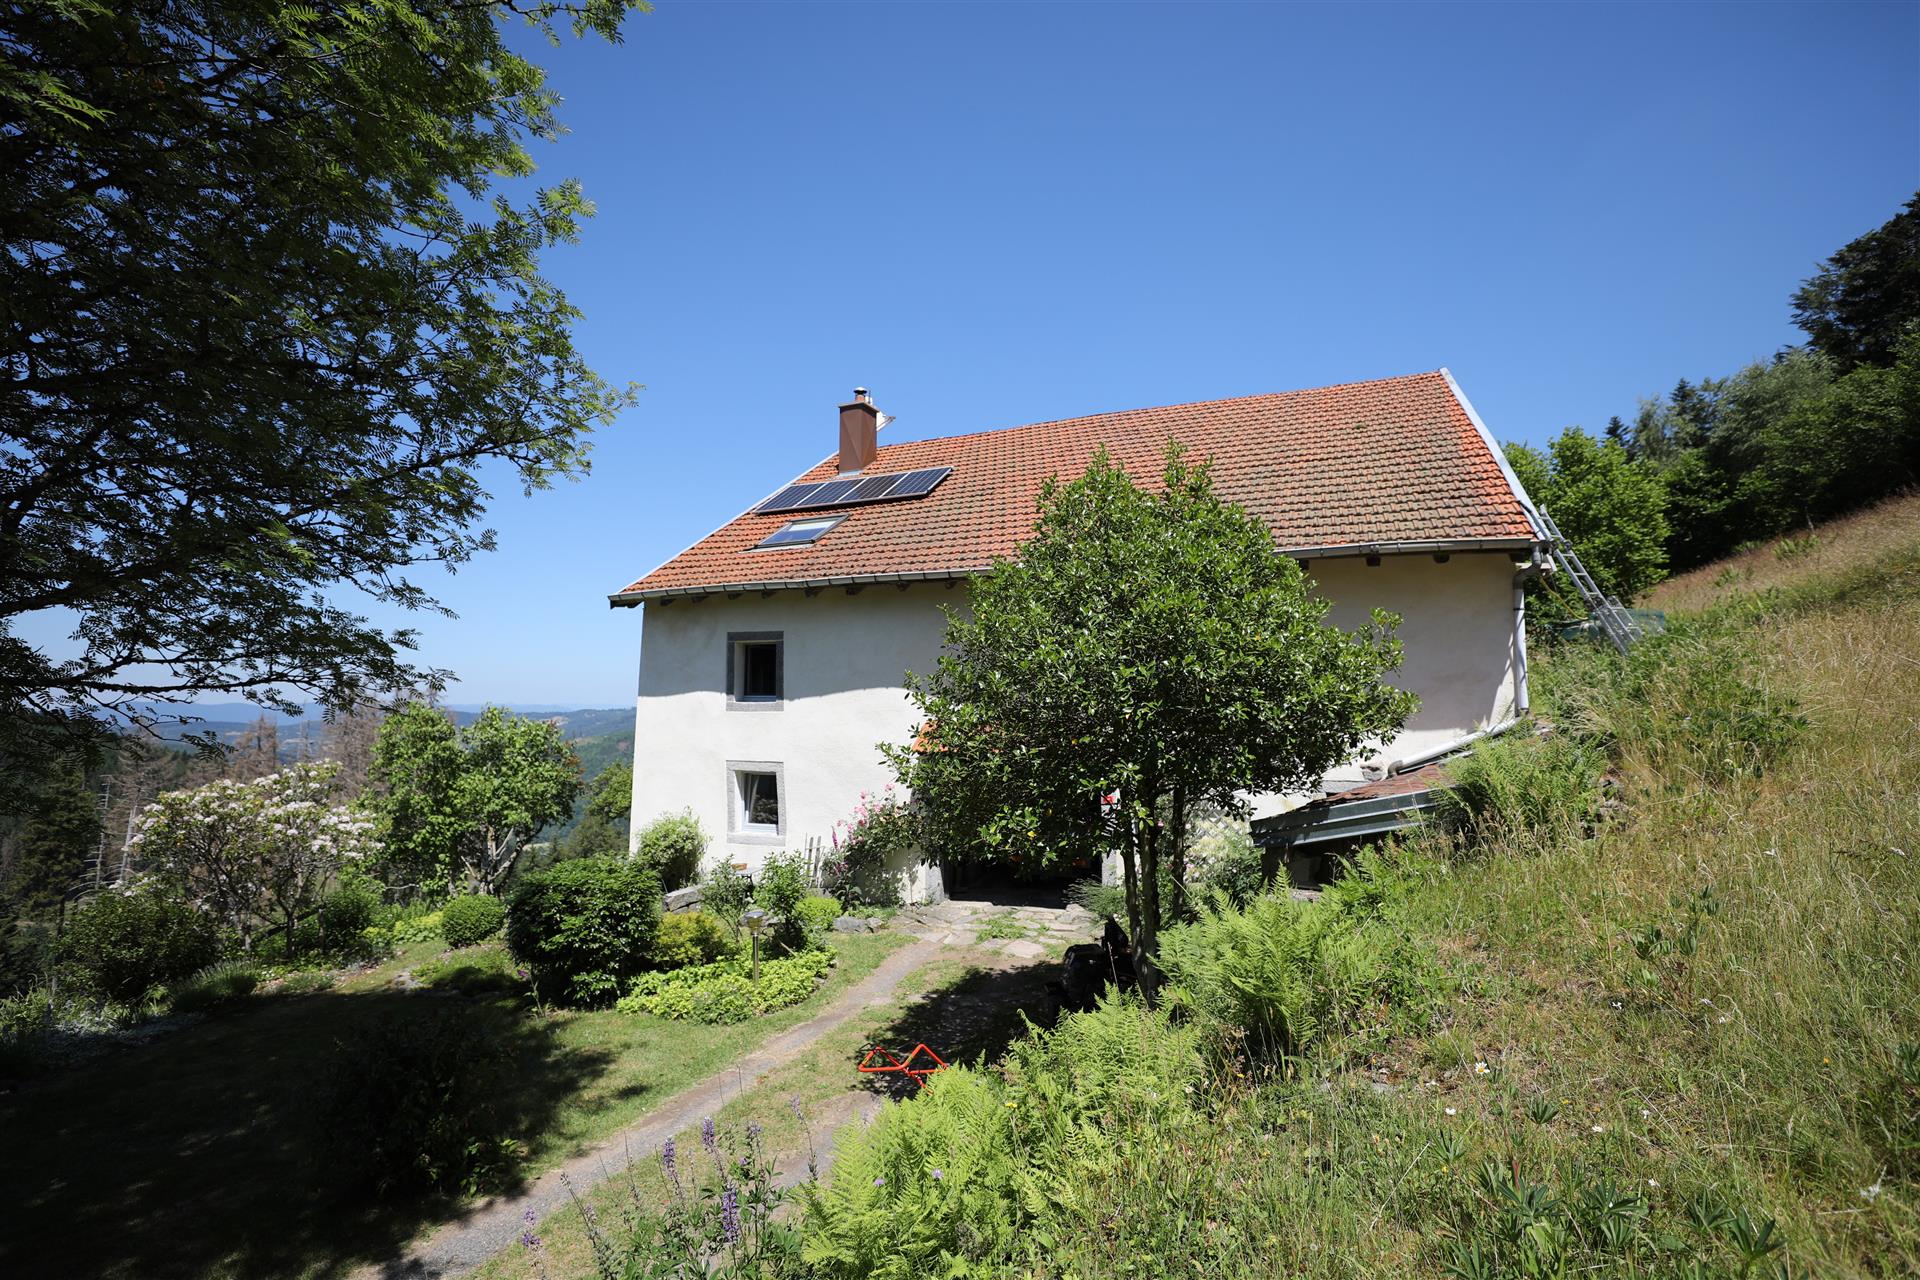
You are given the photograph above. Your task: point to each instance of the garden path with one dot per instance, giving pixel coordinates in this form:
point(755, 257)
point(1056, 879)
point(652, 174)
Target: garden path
point(495, 1224)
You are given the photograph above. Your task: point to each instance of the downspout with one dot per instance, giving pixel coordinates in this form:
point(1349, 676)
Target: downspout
point(1522, 706)
point(1448, 748)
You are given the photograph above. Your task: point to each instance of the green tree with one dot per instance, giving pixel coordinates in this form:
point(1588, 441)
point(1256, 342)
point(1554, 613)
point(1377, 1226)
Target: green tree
point(459, 808)
point(417, 763)
point(1149, 646)
point(268, 324)
point(1865, 299)
point(1610, 507)
point(603, 822)
point(47, 851)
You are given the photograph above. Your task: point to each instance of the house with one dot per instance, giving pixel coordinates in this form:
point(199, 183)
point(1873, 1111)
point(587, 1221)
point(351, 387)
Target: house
point(774, 650)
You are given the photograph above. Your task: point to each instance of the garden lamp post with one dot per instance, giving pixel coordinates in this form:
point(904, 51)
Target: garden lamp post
point(757, 922)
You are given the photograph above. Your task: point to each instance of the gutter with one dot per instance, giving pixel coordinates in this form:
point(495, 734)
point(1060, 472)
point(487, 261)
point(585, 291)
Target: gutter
point(628, 599)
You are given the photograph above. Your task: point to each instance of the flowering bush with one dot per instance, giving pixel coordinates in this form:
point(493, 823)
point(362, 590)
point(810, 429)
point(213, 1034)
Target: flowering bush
point(253, 851)
point(725, 992)
point(882, 831)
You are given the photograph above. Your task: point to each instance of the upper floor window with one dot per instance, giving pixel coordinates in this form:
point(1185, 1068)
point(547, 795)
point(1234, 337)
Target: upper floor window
point(756, 666)
point(800, 533)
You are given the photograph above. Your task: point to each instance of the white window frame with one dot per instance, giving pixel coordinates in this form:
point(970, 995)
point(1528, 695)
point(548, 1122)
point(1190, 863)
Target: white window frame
point(739, 830)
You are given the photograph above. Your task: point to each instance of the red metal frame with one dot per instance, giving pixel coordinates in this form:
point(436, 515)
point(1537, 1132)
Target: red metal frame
point(880, 1060)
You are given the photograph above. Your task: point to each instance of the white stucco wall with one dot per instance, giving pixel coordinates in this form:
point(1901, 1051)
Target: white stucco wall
point(845, 659)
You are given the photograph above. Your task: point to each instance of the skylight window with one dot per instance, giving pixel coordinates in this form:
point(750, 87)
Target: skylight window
point(800, 533)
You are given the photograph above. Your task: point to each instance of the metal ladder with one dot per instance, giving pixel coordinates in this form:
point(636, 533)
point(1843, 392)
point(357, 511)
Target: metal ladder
point(1613, 617)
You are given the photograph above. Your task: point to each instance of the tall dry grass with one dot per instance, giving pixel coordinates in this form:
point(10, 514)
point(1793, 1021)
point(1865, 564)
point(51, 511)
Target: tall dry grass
point(1886, 530)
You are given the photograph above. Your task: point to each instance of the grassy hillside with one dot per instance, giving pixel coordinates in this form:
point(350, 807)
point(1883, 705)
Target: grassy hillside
point(1676, 1033)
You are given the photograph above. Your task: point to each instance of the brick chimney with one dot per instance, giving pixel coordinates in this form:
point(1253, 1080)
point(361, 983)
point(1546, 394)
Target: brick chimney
point(859, 427)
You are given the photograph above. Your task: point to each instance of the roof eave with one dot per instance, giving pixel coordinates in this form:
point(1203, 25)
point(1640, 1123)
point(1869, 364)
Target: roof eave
point(628, 599)
point(1431, 546)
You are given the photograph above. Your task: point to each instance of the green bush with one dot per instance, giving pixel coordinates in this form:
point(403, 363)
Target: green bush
point(724, 992)
point(784, 881)
point(1229, 863)
point(24, 1022)
point(1100, 899)
point(126, 944)
point(725, 892)
point(345, 916)
point(691, 937)
point(585, 927)
point(818, 912)
point(674, 846)
point(410, 1104)
point(1694, 702)
point(969, 1166)
point(471, 918)
point(215, 985)
point(1281, 977)
point(418, 923)
point(1523, 785)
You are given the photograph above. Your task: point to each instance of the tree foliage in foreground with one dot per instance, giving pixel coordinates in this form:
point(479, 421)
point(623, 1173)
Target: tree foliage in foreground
point(266, 318)
point(1149, 644)
point(458, 808)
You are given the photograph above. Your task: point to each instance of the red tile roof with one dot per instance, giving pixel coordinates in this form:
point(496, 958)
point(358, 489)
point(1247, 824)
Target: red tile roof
point(1399, 460)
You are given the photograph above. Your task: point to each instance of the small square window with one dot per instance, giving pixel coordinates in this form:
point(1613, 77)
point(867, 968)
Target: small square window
point(757, 801)
point(800, 533)
point(756, 667)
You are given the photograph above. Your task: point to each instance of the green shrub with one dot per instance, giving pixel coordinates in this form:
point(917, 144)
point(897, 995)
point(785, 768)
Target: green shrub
point(1522, 785)
point(1283, 977)
point(969, 1165)
point(725, 892)
point(785, 880)
point(1229, 863)
point(418, 923)
point(818, 912)
point(126, 944)
point(410, 1104)
point(25, 1020)
point(724, 992)
point(674, 846)
point(1100, 899)
point(215, 985)
point(1694, 703)
point(585, 927)
point(691, 937)
point(345, 916)
point(471, 918)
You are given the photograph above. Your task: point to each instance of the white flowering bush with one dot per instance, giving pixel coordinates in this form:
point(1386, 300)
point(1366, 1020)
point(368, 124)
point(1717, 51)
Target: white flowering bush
point(253, 853)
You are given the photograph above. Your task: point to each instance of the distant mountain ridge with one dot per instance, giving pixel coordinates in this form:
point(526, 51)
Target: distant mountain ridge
point(229, 721)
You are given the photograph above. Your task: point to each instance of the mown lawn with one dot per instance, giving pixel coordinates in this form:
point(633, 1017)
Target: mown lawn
point(200, 1154)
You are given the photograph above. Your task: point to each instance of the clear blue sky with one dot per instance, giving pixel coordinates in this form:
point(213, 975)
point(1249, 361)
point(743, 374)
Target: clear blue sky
point(1002, 213)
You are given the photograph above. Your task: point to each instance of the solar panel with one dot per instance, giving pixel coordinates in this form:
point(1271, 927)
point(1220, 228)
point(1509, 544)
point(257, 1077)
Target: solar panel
point(873, 487)
point(916, 483)
point(832, 492)
point(855, 490)
point(789, 498)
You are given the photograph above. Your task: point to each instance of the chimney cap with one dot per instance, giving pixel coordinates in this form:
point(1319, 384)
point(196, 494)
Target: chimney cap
point(860, 394)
